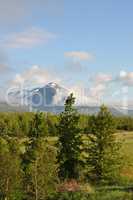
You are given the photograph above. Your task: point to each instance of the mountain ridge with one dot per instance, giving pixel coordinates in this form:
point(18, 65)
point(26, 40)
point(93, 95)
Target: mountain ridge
point(49, 98)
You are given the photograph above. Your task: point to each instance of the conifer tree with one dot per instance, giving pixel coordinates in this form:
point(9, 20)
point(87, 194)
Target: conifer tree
point(69, 141)
point(103, 158)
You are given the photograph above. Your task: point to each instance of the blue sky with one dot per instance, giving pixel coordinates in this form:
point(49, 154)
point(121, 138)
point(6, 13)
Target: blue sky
point(86, 43)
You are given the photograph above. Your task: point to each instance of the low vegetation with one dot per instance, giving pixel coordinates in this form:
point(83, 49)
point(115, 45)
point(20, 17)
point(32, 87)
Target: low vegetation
point(66, 157)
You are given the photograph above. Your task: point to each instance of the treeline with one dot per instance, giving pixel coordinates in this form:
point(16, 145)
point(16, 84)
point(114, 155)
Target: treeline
point(124, 123)
point(17, 124)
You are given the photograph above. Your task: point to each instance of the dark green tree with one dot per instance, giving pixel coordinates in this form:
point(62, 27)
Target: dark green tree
point(69, 141)
point(104, 158)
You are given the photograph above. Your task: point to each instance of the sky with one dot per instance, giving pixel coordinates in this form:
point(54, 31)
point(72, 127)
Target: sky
point(86, 46)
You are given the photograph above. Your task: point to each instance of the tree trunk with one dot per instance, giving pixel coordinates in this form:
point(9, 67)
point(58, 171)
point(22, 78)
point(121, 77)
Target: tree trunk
point(36, 183)
point(7, 188)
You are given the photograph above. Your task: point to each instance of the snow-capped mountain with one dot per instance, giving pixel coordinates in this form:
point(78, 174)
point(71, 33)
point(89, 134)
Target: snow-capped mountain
point(50, 98)
point(49, 95)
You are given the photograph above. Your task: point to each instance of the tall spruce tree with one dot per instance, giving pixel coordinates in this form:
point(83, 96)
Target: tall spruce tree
point(104, 155)
point(69, 141)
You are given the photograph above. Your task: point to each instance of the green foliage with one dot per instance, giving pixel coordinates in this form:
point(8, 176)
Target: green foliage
point(68, 196)
point(102, 195)
point(51, 121)
point(10, 172)
point(38, 162)
point(43, 172)
point(124, 123)
point(104, 159)
point(29, 159)
point(111, 195)
point(38, 127)
point(69, 141)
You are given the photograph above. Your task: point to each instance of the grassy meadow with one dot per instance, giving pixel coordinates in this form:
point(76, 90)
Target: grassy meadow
point(126, 140)
point(124, 191)
point(124, 137)
point(30, 140)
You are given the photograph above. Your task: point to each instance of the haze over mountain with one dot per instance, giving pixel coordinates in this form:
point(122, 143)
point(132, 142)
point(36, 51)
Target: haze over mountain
point(50, 98)
point(48, 95)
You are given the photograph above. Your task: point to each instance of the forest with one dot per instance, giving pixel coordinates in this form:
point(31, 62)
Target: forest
point(67, 156)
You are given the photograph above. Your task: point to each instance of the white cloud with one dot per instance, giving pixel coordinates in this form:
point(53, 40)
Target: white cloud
point(27, 39)
point(37, 76)
point(92, 95)
point(33, 77)
point(76, 58)
point(123, 74)
point(99, 85)
point(103, 78)
point(95, 94)
point(126, 78)
point(82, 95)
point(79, 55)
point(97, 91)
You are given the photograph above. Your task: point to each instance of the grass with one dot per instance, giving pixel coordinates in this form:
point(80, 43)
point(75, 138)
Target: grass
point(113, 195)
point(126, 138)
point(122, 192)
point(127, 152)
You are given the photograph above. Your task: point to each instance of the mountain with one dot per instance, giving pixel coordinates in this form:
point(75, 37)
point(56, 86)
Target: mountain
point(88, 110)
point(49, 95)
point(49, 98)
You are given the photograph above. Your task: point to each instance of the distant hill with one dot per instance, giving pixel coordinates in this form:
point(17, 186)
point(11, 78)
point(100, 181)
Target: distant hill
point(58, 109)
point(87, 110)
point(49, 98)
point(4, 107)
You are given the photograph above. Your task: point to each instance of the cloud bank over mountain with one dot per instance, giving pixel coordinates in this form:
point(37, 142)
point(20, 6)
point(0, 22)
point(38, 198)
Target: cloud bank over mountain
point(86, 94)
point(73, 45)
